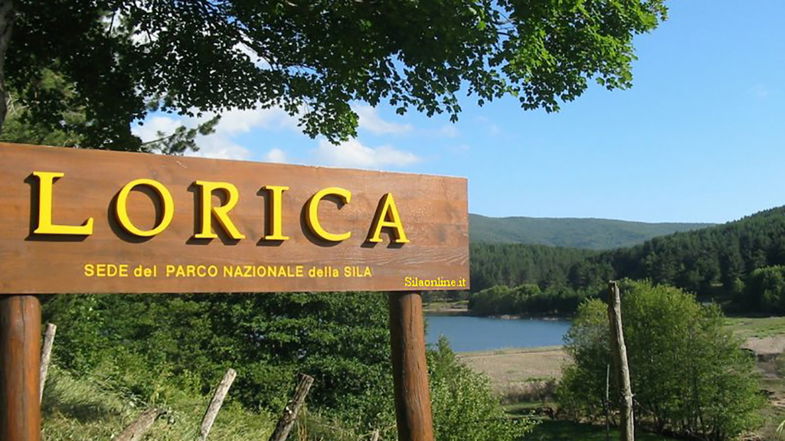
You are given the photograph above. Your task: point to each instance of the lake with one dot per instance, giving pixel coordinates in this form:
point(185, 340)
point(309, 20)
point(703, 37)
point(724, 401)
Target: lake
point(467, 333)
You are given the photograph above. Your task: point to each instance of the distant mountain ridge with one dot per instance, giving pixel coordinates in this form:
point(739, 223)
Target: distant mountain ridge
point(586, 233)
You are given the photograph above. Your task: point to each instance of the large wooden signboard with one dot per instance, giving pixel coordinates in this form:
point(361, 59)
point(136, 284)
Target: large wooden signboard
point(77, 220)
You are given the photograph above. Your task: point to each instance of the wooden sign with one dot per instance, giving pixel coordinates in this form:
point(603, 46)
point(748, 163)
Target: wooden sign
point(77, 220)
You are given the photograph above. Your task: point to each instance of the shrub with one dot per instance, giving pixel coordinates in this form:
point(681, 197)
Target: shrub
point(688, 372)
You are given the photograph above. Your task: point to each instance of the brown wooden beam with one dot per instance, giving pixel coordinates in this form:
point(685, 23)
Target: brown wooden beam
point(410, 370)
point(20, 353)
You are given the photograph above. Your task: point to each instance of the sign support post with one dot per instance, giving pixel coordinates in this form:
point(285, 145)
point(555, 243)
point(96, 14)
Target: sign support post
point(410, 370)
point(20, 352)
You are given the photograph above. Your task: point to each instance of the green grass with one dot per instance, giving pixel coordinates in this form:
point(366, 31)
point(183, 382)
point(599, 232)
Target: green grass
point(85, 409)
point(523, 407)
point(446, 307)
point(759, 327)
point(549, 430)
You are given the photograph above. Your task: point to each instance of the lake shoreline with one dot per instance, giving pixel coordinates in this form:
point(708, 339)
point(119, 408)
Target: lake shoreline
point(461, 309)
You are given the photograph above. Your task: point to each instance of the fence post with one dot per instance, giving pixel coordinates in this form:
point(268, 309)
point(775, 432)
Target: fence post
point(286, 422)
point(215, 404)
point(619, 351)
point(137, 429)
point(46, 355)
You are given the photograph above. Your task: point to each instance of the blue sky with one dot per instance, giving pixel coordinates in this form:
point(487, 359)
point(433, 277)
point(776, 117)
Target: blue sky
point(700, 137)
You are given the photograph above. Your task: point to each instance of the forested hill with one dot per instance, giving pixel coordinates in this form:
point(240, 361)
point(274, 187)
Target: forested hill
point(740, 263)
point(716, 261)
point(594, 234)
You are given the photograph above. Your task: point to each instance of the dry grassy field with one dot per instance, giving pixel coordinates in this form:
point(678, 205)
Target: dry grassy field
point(519, 373)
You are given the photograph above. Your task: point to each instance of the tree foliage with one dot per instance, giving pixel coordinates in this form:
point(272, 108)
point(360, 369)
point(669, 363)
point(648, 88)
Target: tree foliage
point(464, 407)
point(689, 375)
point(341, 339)
point(528, 299)
point(739, 263)
point(516, 264)
point(765, 289)
point(122, 59)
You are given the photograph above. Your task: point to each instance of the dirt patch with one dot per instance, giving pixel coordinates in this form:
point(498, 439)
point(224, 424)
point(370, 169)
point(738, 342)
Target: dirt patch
point(766, 346)
point(521, 371)
point(517, 371)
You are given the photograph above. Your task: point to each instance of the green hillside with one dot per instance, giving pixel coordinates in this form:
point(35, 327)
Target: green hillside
point(595, 234)
point(720, 261)
point(740, 263)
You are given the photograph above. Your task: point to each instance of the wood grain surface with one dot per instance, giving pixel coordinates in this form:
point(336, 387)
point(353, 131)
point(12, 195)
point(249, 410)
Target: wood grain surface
point(433, 210)
point(410, 368)
point(20, 346)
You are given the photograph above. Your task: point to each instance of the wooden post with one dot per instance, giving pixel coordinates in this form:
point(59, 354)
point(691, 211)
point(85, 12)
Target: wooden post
point(410, 371)
point(140, 426)
point(216, 403)
point(286, 422)
point(46, 355)
point(620, 354)
point(607, 402)
point(20, 352)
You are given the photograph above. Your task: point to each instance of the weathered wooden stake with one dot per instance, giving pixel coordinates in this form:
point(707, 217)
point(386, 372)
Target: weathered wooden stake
point(620, 354)
point(216, 403)
point(46, 355)
point(607, 402)
point(410, 371)
point(286, 422)
point(137, 429)
point(20, 352)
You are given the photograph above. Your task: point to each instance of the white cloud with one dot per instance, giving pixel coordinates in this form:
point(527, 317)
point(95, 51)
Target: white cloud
point(449, 131)
point(252, 55)
point(149, 131)
point(243, 121)
point(276, 155)
point(353, 154)
point(220, 145)
point(493, 128)
point(372, 122)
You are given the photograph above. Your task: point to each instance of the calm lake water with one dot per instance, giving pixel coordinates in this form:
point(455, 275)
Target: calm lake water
point(481, 334)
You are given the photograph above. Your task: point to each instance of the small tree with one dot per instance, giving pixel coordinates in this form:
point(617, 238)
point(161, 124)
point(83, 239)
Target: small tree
point(765, 289)
point(464, 406)
point(688, 372)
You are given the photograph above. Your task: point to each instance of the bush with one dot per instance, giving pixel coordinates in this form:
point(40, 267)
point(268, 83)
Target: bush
point(765, 289)
point(464, 407)
point(341, 339)
point(527, 299)
point(688, 372)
